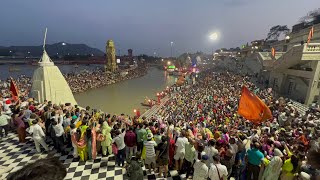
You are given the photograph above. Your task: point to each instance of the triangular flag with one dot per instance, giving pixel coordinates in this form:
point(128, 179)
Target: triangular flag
point(13, 88)
point(252, 108)
point(310, 35)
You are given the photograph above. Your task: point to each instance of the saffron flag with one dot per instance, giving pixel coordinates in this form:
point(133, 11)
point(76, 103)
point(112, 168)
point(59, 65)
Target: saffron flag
point(273, 52)
point(252, 108)
point(310, 35)
point(13, 89)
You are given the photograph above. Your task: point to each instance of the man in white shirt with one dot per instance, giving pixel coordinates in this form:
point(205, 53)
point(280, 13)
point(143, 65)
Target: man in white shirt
point(200, 168)
point(4, 124)
point(234, 148)
point(119, 140)
point(180, 150)
point(150, 152)
point(217, 171)
point(38, 136)
point(67, 120)
point(211, 151)
point(59, 131)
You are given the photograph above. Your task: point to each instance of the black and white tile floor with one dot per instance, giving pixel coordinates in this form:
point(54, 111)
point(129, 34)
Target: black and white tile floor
point(15, 156)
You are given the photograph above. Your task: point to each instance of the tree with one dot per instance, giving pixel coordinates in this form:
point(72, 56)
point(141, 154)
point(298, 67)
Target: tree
point(311, 16)
point(276, 31)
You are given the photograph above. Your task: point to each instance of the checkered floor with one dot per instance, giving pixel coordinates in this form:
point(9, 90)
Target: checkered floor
point(15, 156)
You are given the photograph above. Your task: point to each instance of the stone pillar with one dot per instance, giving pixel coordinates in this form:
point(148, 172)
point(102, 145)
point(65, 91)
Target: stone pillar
point(111, 56)
point(313, 84)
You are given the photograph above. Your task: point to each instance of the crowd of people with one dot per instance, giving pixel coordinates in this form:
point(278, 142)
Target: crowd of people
point(197, 132)
point(23, 82)
point(79, 82)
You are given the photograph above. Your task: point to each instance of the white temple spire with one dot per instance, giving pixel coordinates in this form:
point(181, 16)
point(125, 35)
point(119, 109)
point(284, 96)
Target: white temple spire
point(48, 83)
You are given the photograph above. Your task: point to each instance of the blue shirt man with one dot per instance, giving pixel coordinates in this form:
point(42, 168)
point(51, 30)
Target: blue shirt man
point(255, 157)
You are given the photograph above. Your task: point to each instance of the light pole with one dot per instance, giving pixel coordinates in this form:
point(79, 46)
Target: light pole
point(171, 43)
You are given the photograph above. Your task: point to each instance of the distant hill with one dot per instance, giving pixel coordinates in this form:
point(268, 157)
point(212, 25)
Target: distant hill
point(61, 48)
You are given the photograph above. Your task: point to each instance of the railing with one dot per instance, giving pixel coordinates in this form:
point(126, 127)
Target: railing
point(312, 47)
point(301, 108)
point(265, 55)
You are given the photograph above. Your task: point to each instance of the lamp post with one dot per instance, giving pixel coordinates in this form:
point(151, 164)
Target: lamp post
point(171, 44)
point(158, 95)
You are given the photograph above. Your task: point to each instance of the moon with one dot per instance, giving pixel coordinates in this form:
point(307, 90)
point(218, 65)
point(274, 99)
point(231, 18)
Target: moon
point(213, 36)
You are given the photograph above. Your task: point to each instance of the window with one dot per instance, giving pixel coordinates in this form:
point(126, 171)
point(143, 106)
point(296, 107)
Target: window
point(275, 83)
point(290, 88)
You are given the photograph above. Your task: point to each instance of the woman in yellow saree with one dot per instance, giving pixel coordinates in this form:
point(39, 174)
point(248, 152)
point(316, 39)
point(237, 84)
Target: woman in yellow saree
point(82, 146)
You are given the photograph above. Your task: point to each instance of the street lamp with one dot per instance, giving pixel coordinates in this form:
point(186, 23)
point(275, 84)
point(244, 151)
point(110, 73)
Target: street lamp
point(171, 43)
point(213, 36)
point(169, 63)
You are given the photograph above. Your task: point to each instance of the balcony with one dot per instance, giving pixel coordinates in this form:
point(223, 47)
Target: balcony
point(311, 51)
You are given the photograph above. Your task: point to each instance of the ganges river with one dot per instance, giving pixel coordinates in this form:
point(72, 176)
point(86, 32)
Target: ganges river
point(124, 97)
point(117, 98)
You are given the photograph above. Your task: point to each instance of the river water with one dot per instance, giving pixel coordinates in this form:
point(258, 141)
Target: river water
point(117, 98)
point(125, 96)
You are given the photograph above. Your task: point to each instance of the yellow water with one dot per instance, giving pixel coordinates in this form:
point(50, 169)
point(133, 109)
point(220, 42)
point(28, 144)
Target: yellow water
point(125, 96)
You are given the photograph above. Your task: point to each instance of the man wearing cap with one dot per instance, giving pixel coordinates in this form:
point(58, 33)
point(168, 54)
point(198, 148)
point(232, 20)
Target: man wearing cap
point(200, 168)
point(150, 152)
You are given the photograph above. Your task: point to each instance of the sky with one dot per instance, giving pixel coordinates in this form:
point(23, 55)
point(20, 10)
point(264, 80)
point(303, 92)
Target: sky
point(147, 26)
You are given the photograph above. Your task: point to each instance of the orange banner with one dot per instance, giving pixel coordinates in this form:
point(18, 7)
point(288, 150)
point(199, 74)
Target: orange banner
point(252, 108)
point(310, 35)
point(273, 52)
point(13, 88)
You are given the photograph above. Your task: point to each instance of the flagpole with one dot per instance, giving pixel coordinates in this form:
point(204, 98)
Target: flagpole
point(44, 40)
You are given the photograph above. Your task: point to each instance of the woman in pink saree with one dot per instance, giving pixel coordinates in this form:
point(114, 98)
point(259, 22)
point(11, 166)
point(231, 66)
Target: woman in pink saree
point(94, 143)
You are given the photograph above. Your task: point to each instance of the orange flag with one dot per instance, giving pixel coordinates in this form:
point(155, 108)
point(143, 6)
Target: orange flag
point(252, 108)
point(310, 35)
point(273, 52)
point(13, 89)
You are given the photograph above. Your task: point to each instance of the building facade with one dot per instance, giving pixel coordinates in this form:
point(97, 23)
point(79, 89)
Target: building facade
point(294, 71)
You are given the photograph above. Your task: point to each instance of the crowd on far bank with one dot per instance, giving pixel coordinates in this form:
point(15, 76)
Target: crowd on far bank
point(94, 79)
point(78, 82)
point(198, 133)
